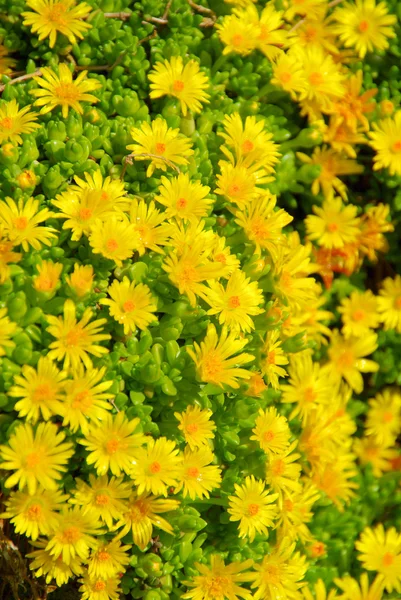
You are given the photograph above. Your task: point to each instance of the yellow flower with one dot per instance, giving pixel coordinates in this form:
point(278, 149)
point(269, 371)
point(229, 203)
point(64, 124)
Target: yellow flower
point(76, 339)
point(34, 514)
point(37, 457)
point(221, 254)
point(111, 191)
point(27, 179)
point(196, 476)
point(292, 285)
point(74, 535)
point(156, 467)
point(353, 107)
point(7, 328)
point(389, 303)
point(288, 74)
point(270, 34)
point(380, 551)
point(184, 199)
point(351, 590)
point(108, 559)
point(61, 90)
point(314, 32)
point(307, 386)
point(239, 183)
point(320, 592)
point(196, 426)
point(386, 141)
point(112, 444)
point(217, 360)
point(271, 431)
point(383, 420)
point(370, 452)
point(236, 302)
point(237, 35)
point(142, 514)
point(374, 223)
point(250, 142)
point(364, 25)
point(6, 62)
point(280, 573)
point(15, 122)
point(253, 507)
point(50, 18)
point(333, 225)
point(220, 581)
point(332, 164)
point(81, 280)
point(114, 239)
point(311, 8)
point(334, 479)
point(130, 305)
point(342, 138)
point(51, 568)
point(105, 499)
point(187, 83)
point(347, 358)
point(150, 229)
point(273, 358)
point(256, 385)
point(324, 79)
point(41, 391)
point(283, 472)
point(21, 223)
point(85, 398)
point(359, 314)
point(296, 511)
point(7, 256)
point(48, 276)
point(99, 588)
point(161, 142)
point(262, 224)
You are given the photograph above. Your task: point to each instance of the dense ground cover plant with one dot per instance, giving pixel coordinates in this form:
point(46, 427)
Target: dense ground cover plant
point(200, 298)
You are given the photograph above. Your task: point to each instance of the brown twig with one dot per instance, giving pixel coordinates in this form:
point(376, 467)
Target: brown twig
point(334, 3)
point(201, 9)
point(19, 79)
point(118, 15)
point(167, 9)
point(130, 159)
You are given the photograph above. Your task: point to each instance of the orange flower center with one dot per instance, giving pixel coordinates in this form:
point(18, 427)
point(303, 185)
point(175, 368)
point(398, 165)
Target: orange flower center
point(388, 417)
point(178, 85)
point(85, 213)
point(74, 337)
point(160, 148)
point(247, 146)
point(128, 306)
point(315, 78)
point(309, 394)
point(318, 549)
point(332, 227)
point(221, 258)
point(7, 123)
point(193, 472)
point(67, 93)
point(34, 513)
point(216, 587)
point(20, 222)
point(104, 196)
point(44, 284)
point(212, 366)
point(288, 505)
point(71, 535)
point(103, 555)
point(192, 428)
point(101, 499)
point(112, 446)
point(346, 359)
point(268, 436)
point(253, 509)
point(155, 467)
point(271, 358)
point(278, 467)
point(33, 459)
point(259, 230)
point(81, 399)
point(285, 77)
point(55, 14)
point(182, 203)
point(272, 574)
point(99, 586)
point(358, 315)
point(112, 245)
point(237, 39)
point(388, 559)
point(397, 146)
point(363, 26)
point(42, 392)
point(234, 302)
point(397, 303)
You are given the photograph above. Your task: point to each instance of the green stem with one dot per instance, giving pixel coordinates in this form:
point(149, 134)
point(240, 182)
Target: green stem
point(219, 63)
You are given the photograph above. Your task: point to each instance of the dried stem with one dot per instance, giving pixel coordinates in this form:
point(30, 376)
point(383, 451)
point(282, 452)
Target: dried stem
point(130, 159)
point(118, 15)
point(334, 3)
point(167, 9)
point(19, 79)
point(201, 9)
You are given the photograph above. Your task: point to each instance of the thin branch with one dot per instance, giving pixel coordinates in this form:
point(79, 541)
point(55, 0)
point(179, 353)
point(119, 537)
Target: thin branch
point(167, 9)
point(118, 15)
point(334, 3)
point(130, 159)
point(19, 79)
point(201, 9)
point(297, 25)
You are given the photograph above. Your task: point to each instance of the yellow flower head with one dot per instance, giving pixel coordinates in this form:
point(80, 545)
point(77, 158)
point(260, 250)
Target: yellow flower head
point(196, 426)
point(380, 551)
point(184, 199)
point(311, 8)
point(352, 590)
point(283, 472)
point(389, 303)
point(217, 360)
point(320, 592)
point(36, 457)
point(324, 78)
point(15, 122)
point(156, 467)
point(221, 254)
point(334, 224)
point(292, 285)
point(273, 358)
point(108, 559)
point(27, 179)
point(86, 398)
point(354, 106)
point(6, 62)
point(256, 385)
point(111, 192)
point(280, 572)
point(81, 280)
point(113, 444)
point(99, 588)
point(365, 25)
point(383, 420)
point(7, 328)
point(237, 35)
point(335, 479)
point(34, 514)
point(262, 224)
point(22, 223)
point(268, 27)
point(114, 239)
point(131, 305)
point(105, 499)
point(314, 32)
point(347, 359)
point(7, 255)
point(150, 228)
point(51, 17)
point(239, 183)
point(253, 507)
point(386, 141)
point(76, 339)
point(296, 511)
point(250, 142)
point(142, 514)
point(374, 223)
point(159, 142)
point(41, 391)
point(359, 314)
point(220, 580)
point(61, 90)
point(288, 74)
point(343, 138)
point(370, 452)
point(74, 535)
point(48, 276)
point(185, 82)
point(51, 568)
point(271, 431)
point(196, 476)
